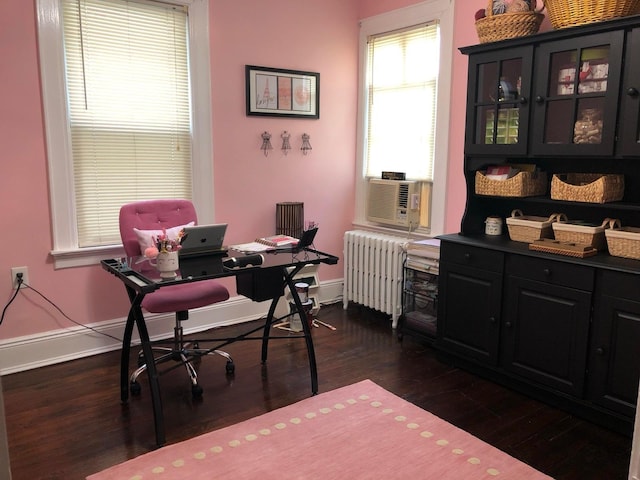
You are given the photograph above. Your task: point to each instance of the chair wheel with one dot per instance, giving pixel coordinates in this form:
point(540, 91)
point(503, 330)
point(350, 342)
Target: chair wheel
point(230, 367)
point(196, 391)
point(135, 388)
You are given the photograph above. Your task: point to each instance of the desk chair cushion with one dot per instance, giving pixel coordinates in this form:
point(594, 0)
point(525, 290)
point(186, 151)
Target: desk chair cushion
point(185, 296)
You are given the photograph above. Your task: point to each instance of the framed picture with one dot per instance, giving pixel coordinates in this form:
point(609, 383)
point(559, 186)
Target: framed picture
point(276, 92)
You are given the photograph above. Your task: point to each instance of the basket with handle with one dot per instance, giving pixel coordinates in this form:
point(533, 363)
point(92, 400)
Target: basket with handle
point(523, 184)
point(495, 27)
point(587, 187)
point(623, 241)
point(529, 228)
point(569, 13)
point(594, 236)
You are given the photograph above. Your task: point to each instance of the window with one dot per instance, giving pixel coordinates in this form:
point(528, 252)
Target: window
point(403, 113)
point(125, 129)
point(402, 83)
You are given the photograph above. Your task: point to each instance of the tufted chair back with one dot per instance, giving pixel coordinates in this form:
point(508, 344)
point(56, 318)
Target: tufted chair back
point(152, 215)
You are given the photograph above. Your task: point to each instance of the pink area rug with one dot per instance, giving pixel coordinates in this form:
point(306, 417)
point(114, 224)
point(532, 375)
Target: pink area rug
point(355, 432)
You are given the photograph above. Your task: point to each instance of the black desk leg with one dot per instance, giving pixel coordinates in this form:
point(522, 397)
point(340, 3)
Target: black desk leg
point(124, 357)
point(267, 329)
point(126, 344)
point(154, 383)
point(306, 328)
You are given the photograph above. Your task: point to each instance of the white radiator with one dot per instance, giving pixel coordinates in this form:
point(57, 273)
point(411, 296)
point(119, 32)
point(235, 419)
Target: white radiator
point(373, 265)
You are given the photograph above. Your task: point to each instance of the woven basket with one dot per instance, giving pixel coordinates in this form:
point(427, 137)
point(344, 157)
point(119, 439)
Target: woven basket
point(493, 28)
point(587, 187)
point(624, 242)
point(529, 228)
point(584, 234)
point(523, 184)
point(569, 13)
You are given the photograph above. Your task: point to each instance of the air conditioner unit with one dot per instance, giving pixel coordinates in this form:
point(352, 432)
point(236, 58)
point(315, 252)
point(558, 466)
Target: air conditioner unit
point(393, 202)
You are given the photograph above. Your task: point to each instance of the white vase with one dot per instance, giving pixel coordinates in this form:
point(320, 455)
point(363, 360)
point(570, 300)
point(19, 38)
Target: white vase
point(167, 264)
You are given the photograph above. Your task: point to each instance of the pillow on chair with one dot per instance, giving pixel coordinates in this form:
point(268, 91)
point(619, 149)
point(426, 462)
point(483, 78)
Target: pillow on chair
point(145, 237)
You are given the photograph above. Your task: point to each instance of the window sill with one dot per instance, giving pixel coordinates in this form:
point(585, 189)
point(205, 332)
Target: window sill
point(82, 257)
point(420, 233)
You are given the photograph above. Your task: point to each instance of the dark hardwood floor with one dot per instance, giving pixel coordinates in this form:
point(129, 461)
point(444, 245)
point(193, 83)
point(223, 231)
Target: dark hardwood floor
point(65, 421)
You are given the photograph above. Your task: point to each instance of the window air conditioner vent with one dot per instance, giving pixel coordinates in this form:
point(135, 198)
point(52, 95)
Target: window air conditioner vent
point(393, 202)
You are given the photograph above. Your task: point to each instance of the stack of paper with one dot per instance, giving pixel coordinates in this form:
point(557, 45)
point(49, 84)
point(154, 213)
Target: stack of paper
point(264, 244)
point(251, 247)
point(424, 255)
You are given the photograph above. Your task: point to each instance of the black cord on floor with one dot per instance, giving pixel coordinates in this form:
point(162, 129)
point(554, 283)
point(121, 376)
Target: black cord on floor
point(4, 310)
point(21, 286)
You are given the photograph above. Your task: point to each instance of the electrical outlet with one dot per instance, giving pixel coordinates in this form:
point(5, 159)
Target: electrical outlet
point(14, 276)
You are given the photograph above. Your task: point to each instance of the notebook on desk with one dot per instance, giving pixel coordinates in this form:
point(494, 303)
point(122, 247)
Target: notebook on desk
point(204, 240)
point(306, 240)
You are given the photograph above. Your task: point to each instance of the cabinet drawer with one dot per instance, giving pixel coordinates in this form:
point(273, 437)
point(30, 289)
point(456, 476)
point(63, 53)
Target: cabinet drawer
point(617, 284)
point(557, 273)
point(476, 257)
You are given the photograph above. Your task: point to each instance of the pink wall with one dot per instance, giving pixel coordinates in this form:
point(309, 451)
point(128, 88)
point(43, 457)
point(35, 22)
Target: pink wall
point(315, 36)
point(290, 35)
point(369, 8)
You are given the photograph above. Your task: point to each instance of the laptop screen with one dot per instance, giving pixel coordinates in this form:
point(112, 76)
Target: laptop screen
point(201, 239)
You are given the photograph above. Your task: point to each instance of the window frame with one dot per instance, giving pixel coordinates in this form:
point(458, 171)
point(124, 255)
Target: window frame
point(66, 252)
point(443, 11)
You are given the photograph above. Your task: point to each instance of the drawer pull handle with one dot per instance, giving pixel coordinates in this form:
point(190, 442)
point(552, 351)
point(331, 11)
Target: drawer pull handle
point(507, 324)
point(632, 92)
point(467, 256)
point(600, 350)
point(539, 99)
point(547, 272)
point(492, 319)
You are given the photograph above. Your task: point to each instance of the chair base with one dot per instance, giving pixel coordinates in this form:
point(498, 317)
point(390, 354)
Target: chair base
point(187, 356)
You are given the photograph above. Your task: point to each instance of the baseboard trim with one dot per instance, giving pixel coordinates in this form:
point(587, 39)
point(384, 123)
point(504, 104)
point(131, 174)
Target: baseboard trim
point(57, 346)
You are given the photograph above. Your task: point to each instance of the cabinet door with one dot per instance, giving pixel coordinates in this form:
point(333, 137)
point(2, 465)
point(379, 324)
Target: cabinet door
point(576, 95)
point(614, 367)
point(630, 98)
point(545, 333)
point(469, 312)
point(498, 102)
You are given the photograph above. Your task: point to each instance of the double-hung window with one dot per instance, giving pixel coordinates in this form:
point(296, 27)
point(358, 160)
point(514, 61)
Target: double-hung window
point(403, 123)
point(126, 130)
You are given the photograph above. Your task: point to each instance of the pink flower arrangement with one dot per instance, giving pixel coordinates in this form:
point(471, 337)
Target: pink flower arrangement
point(162, 243)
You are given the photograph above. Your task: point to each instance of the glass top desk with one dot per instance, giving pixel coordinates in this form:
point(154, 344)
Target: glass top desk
point(257, 282)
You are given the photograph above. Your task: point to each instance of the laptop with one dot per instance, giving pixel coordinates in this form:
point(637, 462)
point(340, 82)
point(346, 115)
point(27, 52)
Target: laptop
point(204, 240)
point(306, 240)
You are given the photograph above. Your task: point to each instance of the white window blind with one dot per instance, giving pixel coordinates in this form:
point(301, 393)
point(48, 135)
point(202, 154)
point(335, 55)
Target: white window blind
point(402, 89)
point(129, 108)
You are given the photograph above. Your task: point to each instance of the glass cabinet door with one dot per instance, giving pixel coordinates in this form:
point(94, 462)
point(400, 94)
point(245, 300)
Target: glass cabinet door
point(630, 98)
point(576, 95)
point(500, 106)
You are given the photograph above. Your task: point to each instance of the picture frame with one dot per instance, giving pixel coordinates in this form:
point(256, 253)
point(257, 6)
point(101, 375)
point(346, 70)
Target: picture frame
point(277, 92)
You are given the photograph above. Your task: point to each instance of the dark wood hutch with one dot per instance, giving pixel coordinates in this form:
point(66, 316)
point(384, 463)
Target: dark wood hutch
point(563, 329)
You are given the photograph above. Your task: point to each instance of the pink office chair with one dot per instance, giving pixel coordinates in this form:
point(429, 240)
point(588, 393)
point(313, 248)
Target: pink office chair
point(156, 215)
